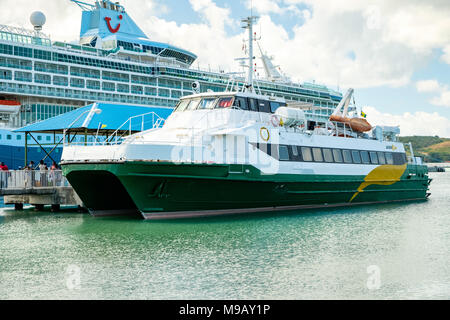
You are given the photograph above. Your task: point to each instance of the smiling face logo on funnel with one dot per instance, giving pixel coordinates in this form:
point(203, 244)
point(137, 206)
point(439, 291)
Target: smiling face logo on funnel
point(108, 23)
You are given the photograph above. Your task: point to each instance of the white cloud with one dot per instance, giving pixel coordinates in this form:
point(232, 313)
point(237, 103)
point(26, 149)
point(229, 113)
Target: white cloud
point(428, 86)
point(419, 123)
point(433, 86)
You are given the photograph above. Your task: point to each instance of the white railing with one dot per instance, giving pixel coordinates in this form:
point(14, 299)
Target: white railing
point(28, 179)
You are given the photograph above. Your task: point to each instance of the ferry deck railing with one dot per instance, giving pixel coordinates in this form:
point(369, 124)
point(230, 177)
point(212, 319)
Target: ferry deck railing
point(31, 179)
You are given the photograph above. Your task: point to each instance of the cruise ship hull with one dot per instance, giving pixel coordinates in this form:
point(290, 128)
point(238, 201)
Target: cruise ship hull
point(160, 190)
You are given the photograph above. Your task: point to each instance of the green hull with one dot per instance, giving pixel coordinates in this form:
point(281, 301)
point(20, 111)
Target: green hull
point(167, 190)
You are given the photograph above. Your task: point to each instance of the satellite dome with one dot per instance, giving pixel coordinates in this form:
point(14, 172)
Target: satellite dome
point(37, 19)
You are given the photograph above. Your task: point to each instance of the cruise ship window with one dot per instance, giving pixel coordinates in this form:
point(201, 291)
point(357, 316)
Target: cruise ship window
point(328, 155)
point(19, 137)
point(365, 157)
point(8, 137)
point(307, 154)
point(373, 158)
point(317, 152)
point(389, 158)
point(356, 156)
point(381, 158)
point(284, 153)
point(347, 156)
point(338, 156)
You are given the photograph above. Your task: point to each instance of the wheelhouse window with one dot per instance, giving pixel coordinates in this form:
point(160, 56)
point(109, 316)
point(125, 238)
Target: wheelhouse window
point(207, 104)
point(317, 153)
point(225, 102)
point(241, 103)
point(264, 106)
point(347, 156)
point(307, 154)
point(193, 104)
point(328, 155)
point(253, 105)
point(182, 105)
point(274, 106)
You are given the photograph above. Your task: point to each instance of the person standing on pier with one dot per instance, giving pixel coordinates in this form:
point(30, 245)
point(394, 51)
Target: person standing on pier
point(3, 175)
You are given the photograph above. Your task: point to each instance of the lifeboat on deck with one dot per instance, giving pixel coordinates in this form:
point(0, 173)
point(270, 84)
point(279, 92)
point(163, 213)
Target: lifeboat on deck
point(357, 124)
point(9, 106)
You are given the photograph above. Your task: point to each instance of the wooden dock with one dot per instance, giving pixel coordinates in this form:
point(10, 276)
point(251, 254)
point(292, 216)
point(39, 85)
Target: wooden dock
point(37, 188)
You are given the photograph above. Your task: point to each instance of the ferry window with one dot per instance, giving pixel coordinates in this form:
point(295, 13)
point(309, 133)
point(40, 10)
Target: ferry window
point(389, 158)
point(284, 153)
point(253, 105)
point(225, 102)
point(264, 106)
point(207, 104)
point(241, 103)
point(399, 158)
point(381, 158)
point(338, 156)
point(328, 155)
point(356, 157)
point(274, 106)
point(294, 151)
point(317, 152)
point(347, 156)
point(365, 157)
point(192, 105)
point(373, 158)
point(307, 154)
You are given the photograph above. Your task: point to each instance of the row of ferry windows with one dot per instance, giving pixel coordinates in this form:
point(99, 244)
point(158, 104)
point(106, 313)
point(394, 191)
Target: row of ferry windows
point(248, 104)
point(328, 155)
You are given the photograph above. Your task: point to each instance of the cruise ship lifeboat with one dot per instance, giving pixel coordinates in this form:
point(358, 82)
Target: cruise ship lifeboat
point(9, 106)
point(357, 124)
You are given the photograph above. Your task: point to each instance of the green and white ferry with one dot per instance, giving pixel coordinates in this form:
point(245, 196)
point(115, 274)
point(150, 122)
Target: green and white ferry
point(242, 152)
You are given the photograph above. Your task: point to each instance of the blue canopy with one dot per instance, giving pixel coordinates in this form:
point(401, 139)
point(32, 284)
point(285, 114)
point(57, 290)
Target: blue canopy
point(111, 118)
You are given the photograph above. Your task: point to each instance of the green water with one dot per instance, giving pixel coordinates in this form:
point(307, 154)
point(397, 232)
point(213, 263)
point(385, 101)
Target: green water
point(304, 255)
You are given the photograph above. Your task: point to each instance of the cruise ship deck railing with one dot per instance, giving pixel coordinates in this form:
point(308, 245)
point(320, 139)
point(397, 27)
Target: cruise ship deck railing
point(30, 179)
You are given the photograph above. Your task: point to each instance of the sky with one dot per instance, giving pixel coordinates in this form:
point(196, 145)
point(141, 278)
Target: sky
point(395, 54)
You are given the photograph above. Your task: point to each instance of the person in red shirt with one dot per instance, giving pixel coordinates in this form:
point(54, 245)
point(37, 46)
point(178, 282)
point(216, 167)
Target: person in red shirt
point(3, 167)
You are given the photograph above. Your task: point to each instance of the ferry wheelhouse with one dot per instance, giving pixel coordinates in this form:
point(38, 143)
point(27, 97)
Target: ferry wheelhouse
point(113, 62)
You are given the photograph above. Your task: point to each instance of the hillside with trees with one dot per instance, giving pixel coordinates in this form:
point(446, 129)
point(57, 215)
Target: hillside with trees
point(432, 149)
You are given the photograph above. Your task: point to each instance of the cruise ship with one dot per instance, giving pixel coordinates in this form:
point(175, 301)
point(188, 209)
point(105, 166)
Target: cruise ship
point(114, 62)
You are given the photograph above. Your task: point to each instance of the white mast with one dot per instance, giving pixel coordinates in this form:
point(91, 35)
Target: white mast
point(249, 25)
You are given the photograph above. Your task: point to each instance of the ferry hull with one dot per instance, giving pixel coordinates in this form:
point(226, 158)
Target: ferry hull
point(167, 190)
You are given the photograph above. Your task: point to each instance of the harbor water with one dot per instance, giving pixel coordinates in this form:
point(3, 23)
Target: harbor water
point(392, 251)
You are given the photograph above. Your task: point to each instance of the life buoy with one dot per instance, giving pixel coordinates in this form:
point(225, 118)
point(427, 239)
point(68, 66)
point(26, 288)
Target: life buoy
point(265, 134)
point(275, 120)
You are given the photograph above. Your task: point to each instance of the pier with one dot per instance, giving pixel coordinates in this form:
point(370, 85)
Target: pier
point(438, 167)
point(37, 188)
